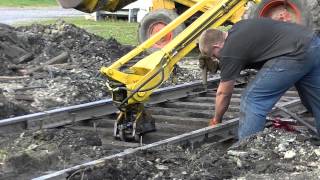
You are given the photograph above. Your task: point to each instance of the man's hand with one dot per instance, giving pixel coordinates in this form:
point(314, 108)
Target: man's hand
point(223, 98)
point(214, 122)
point(207, 62)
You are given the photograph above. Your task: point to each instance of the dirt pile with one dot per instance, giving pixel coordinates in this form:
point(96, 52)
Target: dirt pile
point(36, 44)
point(8, 108)
point(48, 66)
point(28, 154)
point(273, 154)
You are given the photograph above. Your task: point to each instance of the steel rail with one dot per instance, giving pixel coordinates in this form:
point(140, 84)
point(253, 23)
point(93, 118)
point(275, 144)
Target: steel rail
point(221, 132)
point(61, 116)
point(67, 115)
point(199, 135)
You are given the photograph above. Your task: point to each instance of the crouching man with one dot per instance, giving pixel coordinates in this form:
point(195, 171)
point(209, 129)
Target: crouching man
point(287, 55)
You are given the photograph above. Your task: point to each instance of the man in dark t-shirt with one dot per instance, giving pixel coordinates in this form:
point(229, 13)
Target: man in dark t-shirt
point(287, 55)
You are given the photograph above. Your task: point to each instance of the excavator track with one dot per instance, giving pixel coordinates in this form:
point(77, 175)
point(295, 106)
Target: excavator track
point(181, 113)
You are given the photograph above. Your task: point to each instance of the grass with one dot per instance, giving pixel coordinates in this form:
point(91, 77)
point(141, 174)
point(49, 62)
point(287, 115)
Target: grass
point(28, 3)
point(122, 31)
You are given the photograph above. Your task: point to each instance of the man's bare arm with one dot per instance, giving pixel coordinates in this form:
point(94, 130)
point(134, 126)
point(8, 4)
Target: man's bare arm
point(223, 97)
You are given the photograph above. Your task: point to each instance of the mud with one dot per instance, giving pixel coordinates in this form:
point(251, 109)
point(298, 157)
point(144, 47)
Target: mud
point(30, 84)
point(273, 154)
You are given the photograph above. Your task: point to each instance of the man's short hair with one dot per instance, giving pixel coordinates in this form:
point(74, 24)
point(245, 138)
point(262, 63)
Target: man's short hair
point(208, 38)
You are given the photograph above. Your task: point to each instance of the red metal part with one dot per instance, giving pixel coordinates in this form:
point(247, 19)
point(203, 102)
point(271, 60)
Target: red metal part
point(281, 10)
point(156, 27)
point(277, 123)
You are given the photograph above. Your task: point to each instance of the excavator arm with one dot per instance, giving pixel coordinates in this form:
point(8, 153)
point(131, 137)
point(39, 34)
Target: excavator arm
point(131, 88)
point(147, 74)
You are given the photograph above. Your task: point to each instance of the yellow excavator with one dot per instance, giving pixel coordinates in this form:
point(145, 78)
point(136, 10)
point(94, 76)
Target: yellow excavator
point(171, 30)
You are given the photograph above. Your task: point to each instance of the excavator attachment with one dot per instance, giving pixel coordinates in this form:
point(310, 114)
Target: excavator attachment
point(133, 122)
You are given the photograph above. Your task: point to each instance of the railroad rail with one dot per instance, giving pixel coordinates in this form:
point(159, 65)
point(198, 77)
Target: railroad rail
point(67, 115)
point(181, 113)
point(222, 132)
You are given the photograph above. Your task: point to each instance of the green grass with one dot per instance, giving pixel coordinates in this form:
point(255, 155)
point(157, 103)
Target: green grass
point(28, 3)
point(122, 31)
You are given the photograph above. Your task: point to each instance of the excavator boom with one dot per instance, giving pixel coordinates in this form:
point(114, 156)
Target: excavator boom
point(133, 86)
point(147, 74)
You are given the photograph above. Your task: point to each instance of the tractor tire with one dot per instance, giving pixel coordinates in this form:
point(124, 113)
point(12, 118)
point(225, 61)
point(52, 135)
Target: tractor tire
point(305, 12)
point(154, 22)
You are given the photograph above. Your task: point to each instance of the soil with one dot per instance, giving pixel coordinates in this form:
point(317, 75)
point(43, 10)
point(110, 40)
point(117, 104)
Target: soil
point(272, 154)
point(74, 80)
point(28, 154)
point(69, 81)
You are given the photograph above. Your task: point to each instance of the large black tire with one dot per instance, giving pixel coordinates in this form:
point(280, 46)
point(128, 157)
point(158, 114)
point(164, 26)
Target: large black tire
point(309, 11)
point(159, 17)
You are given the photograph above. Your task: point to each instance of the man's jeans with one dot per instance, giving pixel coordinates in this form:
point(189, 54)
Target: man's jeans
point(273, 80)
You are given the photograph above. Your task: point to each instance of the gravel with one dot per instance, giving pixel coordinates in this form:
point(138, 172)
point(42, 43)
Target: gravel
point(272, 154)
